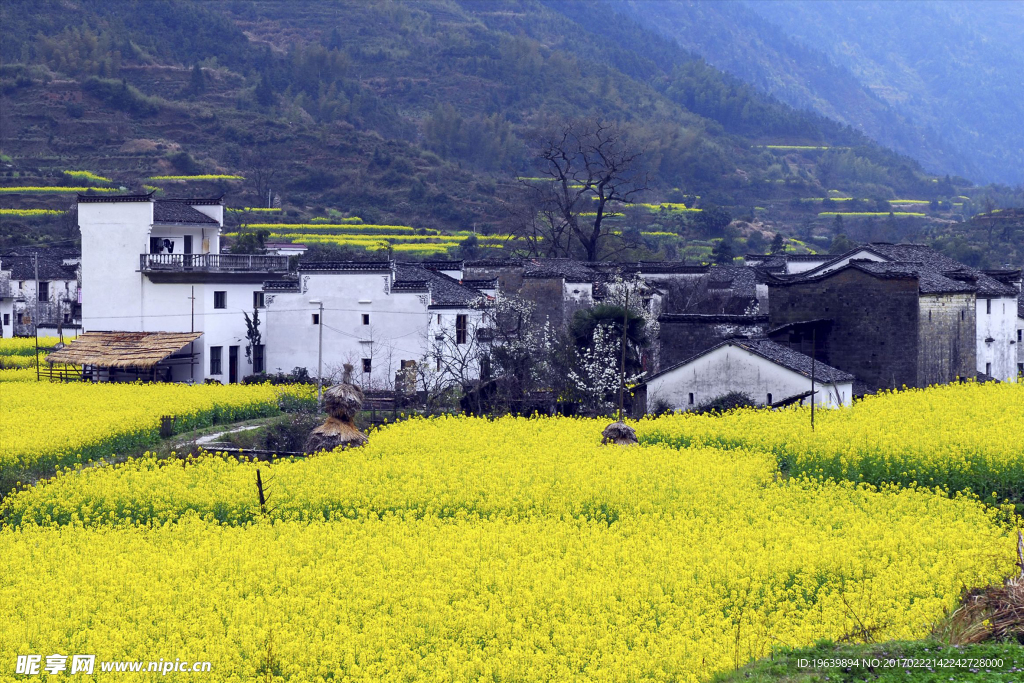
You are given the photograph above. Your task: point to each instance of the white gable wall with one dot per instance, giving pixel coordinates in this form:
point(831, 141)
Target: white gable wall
point(730, 368)
point(996, 320)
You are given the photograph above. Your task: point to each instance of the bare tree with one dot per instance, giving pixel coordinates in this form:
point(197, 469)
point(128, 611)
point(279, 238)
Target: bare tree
point(587, 169)
point(259, 173)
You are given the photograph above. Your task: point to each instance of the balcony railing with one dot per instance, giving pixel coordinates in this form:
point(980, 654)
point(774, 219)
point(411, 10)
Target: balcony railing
point(221, 263)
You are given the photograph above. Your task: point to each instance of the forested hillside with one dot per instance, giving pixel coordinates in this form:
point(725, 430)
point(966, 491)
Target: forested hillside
point(420, 114)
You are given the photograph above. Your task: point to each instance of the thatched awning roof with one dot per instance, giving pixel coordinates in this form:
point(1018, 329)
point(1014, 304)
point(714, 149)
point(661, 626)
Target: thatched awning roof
point(122, 349)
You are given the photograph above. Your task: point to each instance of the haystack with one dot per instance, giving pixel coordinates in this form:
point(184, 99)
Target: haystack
point(342, 402)
point(619, 433)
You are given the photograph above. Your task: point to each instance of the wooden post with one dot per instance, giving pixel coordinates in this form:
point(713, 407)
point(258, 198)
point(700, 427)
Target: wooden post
point(259, 489)
point(166, 426)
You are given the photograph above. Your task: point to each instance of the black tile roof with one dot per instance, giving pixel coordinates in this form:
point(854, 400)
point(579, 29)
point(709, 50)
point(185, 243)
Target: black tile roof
point(106, 198)
point(776, 353)
point(50, 268)
point(569, 269)
point(1020, 305)
point(177, 211)
point(924, 258)
point(929, 281)
point(344, 266)
point(444, 290)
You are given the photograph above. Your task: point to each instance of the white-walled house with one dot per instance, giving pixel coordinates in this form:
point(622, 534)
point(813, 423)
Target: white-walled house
point(767, 372)
point(995, 298)
point(154, 265)
point(377, 316)
point(37, 289)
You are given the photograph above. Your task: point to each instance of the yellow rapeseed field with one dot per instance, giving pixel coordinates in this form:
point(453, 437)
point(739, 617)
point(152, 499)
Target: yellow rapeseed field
point(45, 425)
point(958, 437)
point(464, 549)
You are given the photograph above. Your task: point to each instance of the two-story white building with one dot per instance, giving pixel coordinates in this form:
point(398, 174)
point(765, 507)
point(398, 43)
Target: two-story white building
point(38, 289)
point(155, 266)
point(379, 317)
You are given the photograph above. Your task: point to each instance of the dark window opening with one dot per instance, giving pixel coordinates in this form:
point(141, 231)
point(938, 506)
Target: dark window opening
point(691, 398)
point(44, 291)
point(461, 323)
point(367, 364)
point(988, 369)
point(188, 244)
point(316, 318)
point(769, 399)
point(7, 318)
point(258, 354)
point(215, 359)
point(1020, 333)
point(258, 300)
point(366, 318)
point(963, 314)
point(220, 299)
point(988, 306)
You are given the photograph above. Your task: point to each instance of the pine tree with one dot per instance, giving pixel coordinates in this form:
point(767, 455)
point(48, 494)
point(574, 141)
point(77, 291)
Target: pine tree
point(778, 244)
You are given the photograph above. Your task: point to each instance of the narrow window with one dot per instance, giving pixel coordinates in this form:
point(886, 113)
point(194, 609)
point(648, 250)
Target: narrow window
point(929, 316)
point(963, 314)
point(7, 321)
point(461, 323)
point(258, 300)
point(258, 354)
point(1020, 334)
point(21, 285)
point(188, 244)
point(316, 318)
point(691, 398)
point(21, 318)
point(366, 318)
point(44, 291)
point(769, 399)
point(988, 369)
point(367, 365)
point(438, 318)
point(438, 363)
point(988, 306)
point(215, 357)
point(220, 299)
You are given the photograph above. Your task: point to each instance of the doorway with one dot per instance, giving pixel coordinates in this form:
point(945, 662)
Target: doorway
point(233, 365)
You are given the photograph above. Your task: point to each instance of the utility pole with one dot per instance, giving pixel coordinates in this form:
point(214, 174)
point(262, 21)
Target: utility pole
point(320, 355)
point(814, 344)
point(191, 344)
point(622, 369)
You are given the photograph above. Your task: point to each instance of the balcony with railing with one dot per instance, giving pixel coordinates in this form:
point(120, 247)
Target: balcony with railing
point(212, 263)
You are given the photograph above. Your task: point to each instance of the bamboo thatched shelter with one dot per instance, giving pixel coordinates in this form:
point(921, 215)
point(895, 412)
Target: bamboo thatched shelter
point(123, 350)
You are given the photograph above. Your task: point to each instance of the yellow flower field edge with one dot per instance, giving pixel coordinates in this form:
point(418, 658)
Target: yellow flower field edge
point(958, 437)
point(466, 552)
point(47, 425)
point(443, 467)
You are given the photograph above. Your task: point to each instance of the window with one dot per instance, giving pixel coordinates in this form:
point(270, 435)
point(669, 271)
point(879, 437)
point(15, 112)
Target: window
point(691, 398)
point(367, 365)
point(21, 285)
point(188, 244)
point(21, 318)
point(988, 369)
point(316, 318)
point(258, 354)
point(7, 319)
point(220, 299)
point(438, 365)
point(1020, 334)
point(988, 306)
point(366, 318)
point(438, 318)
point(44, 291)
point(963, 314)
point(258, 300)
point(461, 322)
point(215, 357)
point(769, 399)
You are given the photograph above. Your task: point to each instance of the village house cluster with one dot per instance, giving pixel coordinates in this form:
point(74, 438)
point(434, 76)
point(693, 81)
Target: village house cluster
point(156, 298)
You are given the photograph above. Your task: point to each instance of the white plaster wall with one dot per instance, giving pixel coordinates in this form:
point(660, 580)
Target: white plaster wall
point(730, 368)
point(856, 256)
point(113, 236)
point(397, 330)
point(802, 266)
point(1020, 346)
point(1001, 326)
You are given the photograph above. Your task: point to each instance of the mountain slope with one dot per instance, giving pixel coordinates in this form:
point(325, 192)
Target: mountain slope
point(953, 67)
point(734, 38)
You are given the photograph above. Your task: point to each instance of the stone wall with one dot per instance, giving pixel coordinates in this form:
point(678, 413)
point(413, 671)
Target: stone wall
point(685, 335)
point(875, 330)
point(946, 338)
